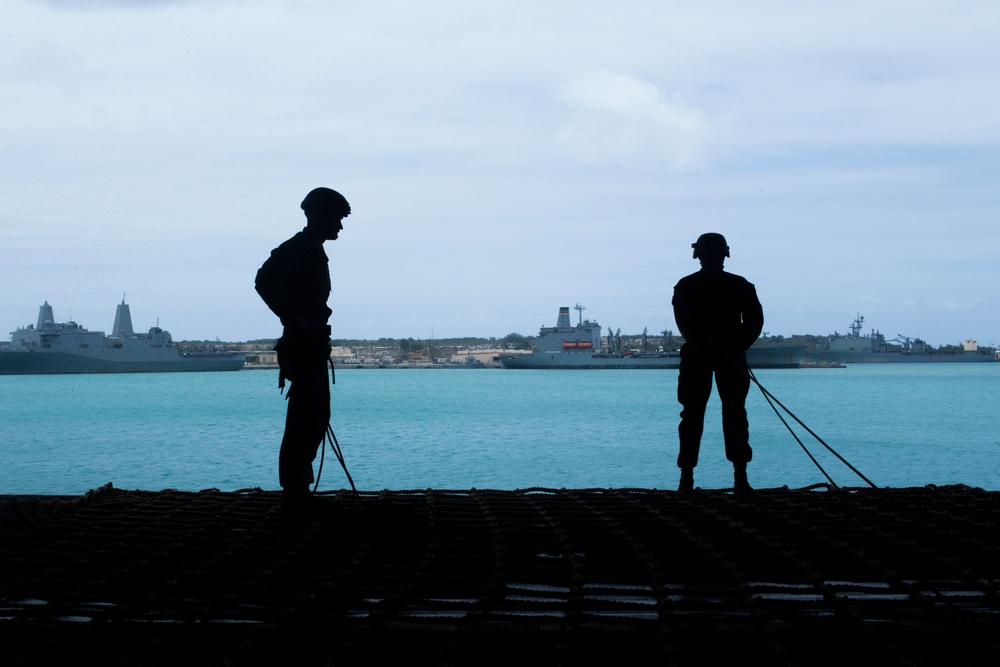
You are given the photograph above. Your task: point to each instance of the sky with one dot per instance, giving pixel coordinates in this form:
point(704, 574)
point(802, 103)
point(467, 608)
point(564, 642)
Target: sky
point(503, 159)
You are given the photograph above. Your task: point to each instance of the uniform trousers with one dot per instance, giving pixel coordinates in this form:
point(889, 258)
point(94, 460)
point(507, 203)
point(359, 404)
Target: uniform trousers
point(305, 425)
point(694, 386)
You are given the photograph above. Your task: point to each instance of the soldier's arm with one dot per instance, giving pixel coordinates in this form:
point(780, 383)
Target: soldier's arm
point(753, 319)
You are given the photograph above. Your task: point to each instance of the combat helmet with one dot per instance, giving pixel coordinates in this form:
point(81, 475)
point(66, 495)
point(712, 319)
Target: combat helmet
point(710, 245)
point(325, 200)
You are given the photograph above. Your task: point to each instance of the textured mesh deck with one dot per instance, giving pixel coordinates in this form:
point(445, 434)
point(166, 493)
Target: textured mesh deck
point(538, 576)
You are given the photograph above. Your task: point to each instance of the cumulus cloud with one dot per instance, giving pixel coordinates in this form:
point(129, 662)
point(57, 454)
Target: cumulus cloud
point(616, 116)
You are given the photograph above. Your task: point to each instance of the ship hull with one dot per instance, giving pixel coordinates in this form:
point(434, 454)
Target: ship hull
point(936, 357)
point(757, 357)
point(57, 363)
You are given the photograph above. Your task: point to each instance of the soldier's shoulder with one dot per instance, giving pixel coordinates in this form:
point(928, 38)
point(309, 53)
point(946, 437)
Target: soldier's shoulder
point(292, 246)
point(687, 280)
point(732, 277)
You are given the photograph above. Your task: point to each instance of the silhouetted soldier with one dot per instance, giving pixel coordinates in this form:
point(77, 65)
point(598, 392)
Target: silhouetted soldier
point(720, 318)
point(294, 282)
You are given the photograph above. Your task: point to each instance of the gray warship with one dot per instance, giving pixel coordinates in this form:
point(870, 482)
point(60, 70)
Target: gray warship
point(858, 348)
point(582, 346)
point(49, 347)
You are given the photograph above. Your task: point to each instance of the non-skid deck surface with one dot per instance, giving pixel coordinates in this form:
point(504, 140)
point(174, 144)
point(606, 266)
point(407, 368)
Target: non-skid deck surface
point(538, 576)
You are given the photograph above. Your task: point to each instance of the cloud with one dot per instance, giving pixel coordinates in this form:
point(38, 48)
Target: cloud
point(618, 116)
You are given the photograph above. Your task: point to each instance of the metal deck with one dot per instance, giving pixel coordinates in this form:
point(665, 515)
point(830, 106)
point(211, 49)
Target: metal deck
point(536, 576)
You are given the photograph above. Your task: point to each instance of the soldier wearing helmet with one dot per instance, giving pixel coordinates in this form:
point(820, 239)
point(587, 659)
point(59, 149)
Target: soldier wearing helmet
point(294, 282)
point(720, 317)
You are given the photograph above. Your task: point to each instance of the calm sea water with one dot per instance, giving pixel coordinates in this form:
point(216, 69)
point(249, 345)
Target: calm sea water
point(900, 425)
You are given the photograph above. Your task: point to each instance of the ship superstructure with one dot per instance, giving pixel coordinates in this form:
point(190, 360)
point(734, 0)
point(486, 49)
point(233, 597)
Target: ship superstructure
point(584, 337)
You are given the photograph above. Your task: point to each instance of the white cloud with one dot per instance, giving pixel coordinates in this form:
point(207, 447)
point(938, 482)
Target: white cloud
point(618, 116)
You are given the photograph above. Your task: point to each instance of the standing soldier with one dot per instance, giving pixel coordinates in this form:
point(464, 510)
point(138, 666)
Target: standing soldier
point(294, 282)
point(720, 318)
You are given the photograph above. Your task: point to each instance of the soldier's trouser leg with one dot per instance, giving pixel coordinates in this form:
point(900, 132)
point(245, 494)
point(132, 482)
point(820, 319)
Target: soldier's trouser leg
point(305, 429)
point(734, 383)
point(694, 386)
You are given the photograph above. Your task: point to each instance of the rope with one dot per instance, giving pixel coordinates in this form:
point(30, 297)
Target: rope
point(768, 396)
point(331, 437)
point(794, 435)
point(335, 446)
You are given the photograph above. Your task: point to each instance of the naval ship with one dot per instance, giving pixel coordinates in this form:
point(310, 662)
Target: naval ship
point(873, 348)
point(66, 347)
point(582, 347)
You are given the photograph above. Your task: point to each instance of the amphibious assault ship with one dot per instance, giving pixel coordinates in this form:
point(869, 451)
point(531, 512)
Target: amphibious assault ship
point(583, 347)
point(873, 348)
point(66, 347)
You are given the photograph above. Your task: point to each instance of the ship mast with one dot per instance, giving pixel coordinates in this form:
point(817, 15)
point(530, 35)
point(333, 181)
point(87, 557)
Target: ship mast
point(857, 325)
point(579, 309)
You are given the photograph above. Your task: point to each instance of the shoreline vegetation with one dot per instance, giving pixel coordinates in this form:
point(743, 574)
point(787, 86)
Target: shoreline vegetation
point(469, 351)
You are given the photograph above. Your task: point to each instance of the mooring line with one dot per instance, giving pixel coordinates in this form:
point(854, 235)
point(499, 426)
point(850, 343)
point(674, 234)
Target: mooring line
point(769, 397)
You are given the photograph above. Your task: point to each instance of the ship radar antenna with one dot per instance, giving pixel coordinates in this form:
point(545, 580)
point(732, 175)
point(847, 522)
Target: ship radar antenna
point(579, 309)
point(857, 326)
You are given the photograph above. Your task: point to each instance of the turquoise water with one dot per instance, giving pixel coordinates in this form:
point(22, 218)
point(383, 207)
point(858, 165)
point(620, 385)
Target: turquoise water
point(900, 425)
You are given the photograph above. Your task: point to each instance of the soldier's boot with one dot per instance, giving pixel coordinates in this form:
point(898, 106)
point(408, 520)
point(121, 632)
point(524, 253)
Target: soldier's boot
point(741, 487)
point(687, 481)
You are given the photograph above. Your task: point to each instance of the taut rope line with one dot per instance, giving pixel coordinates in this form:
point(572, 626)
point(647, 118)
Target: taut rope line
point(771, 397)
point(331, 437)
